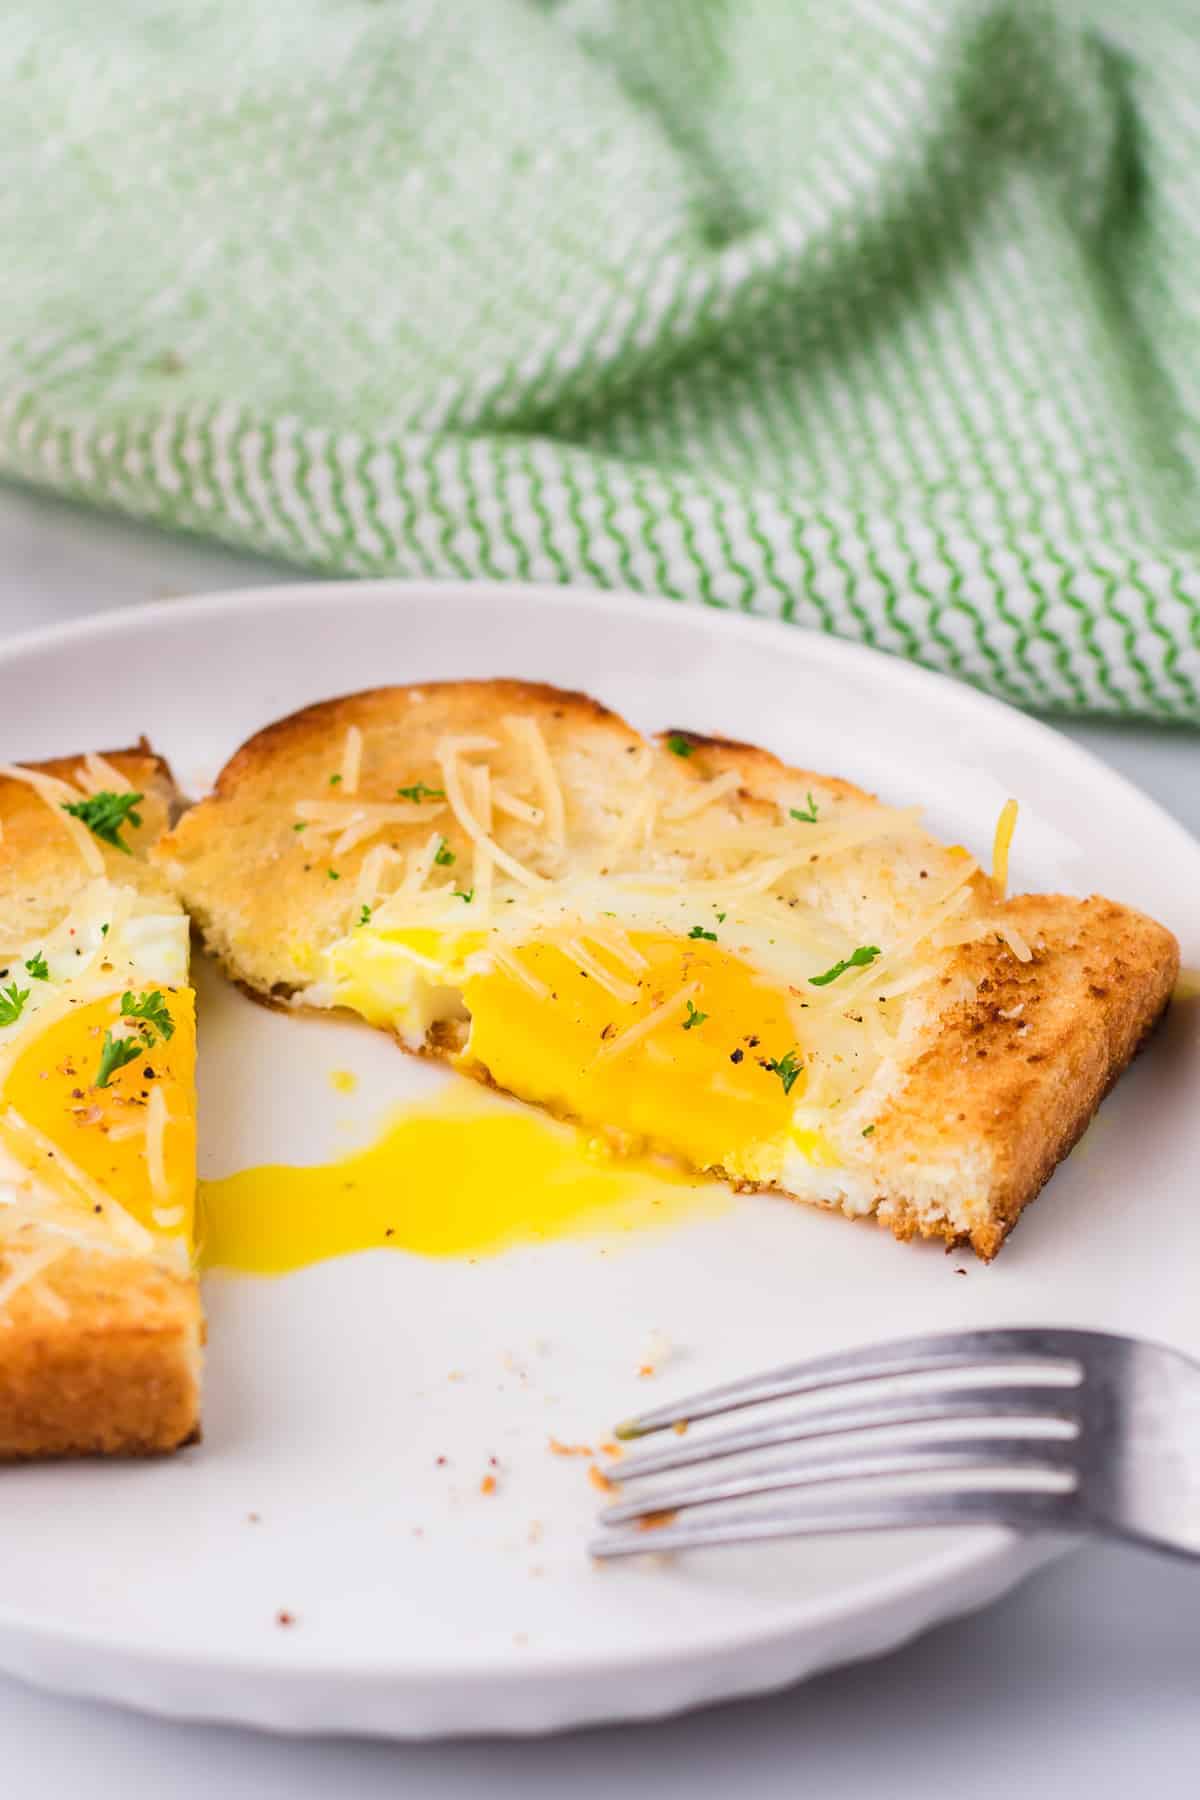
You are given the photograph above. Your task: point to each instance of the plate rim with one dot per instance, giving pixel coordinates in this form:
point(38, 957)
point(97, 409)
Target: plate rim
point(826, 646)
point(985, 1564)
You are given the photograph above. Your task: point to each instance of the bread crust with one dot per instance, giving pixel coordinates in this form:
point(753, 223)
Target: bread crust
point(1021, 1068)
point(1000, 1094)
point(40, 870)
point(117, 1374)
point(102, 1355)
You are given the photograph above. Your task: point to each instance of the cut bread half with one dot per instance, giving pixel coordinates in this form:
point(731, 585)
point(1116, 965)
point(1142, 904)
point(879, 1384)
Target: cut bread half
point(680, 942)
point(100, 1323)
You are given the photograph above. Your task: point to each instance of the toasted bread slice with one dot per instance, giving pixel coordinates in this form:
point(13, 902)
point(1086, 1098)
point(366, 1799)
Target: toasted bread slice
point(680, 942)
point(100, 1322)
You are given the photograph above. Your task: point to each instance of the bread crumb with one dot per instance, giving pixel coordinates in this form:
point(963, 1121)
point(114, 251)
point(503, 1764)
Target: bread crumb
point(656, 1351)
point(654, 1521)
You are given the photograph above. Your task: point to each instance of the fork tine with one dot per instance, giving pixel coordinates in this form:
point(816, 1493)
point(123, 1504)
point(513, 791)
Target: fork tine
point(931, 1406)
point(1002, 1506)
point(808, 1469)
point(878, 1362)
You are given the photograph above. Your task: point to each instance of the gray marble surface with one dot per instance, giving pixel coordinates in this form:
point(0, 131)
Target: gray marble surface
point(1086, 1681)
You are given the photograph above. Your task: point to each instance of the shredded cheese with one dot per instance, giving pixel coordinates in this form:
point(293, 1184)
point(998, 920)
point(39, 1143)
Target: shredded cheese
point(482, 863)
point(448, 763)
point(1016, 943)
point(516, 808)
point(58, 794)
point(595, 971)
point(44, 1295)
point(512, 965)
point(370, 875)
point(703, 795)
point(633, 1034)
point(358, 826)
point(420, 862)
point(463, 746)
point(23, 1269)
point(56, 1164)
point(528, 733)
point(156, 1128)
point(96, 774)
point(619, 947)
point(1006, 824)
point(334, 815)
point(351, 760)
point(625, 836)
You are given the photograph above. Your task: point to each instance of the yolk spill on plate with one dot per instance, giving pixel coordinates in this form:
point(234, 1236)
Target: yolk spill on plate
point(469, 1178)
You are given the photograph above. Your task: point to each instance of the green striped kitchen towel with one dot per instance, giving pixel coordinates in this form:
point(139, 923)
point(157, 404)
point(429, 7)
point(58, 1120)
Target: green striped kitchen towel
point(879, 316)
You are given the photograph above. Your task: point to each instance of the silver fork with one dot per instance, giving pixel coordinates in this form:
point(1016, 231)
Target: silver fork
point(1105, 1440)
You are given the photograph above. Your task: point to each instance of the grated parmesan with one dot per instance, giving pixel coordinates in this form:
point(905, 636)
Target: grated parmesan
point(96, 774)
point(156, 1129)
point(516, 808)
point(1006, 824)
point(703, 795)
point(641, 1028)
point(510, 962)
point(447, 758)
point(528, 733)
point(612, 984)
point(351, 760)
point(58, 794)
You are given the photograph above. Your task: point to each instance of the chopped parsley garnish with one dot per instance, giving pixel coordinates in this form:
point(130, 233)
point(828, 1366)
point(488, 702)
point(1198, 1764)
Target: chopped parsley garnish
point(105, 813)
point(720, 918)
point(300, 825)
point(104, 931)
point(12, 1003)
point(115, 1053)
point(444, 855)
point(468, 895)
point(38, 967)
point(151, 1010)
point(808, 817)
point(335, 781)
point(787, 1069)
point(857, 959)
point(151, 1021)
point(678, 745)
point(698, 931)
point(333, 874)
point(693, 1017)
point(364, 917)
point(867, 1130)
point(418, 792)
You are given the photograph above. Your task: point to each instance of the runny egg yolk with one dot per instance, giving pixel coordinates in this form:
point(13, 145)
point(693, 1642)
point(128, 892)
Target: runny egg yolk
point(102, 1130)
point(714, 1081)
point(469, 1178)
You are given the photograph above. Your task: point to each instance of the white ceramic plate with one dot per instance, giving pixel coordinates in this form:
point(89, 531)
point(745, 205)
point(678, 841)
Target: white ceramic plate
point(422, 1606)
